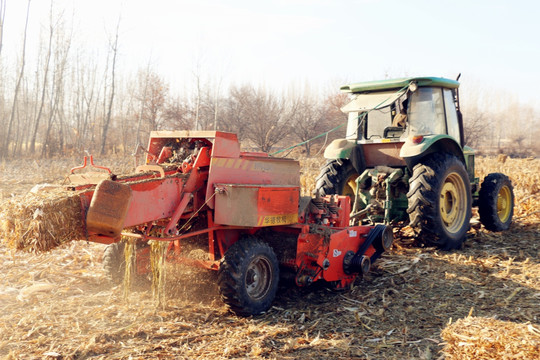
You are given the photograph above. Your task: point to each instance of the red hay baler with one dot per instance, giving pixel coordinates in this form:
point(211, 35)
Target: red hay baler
point(197, 191)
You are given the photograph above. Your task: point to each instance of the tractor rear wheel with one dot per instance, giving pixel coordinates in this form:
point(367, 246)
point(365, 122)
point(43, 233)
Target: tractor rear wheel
point(114, 262)
point(337, 177)
point(440, 201)
point(248, 276)
point(496, 202)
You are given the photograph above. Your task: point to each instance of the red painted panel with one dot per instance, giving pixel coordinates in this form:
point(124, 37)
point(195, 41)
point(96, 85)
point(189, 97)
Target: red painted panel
point(340, 242)
point(153, 200)
point(256, 205)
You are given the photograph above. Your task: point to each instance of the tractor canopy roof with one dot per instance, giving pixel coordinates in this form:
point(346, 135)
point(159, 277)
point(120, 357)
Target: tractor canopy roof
point(395, 84)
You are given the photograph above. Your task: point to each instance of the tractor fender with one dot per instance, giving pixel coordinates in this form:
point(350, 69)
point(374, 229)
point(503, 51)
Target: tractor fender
point(343, 149)
point(339, 149)
point(413, 152)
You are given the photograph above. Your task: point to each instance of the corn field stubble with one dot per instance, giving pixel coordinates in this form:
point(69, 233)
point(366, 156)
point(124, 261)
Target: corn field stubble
point(480, 302)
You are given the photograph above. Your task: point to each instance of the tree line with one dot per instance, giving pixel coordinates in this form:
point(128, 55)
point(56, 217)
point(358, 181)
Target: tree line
point(68, 101)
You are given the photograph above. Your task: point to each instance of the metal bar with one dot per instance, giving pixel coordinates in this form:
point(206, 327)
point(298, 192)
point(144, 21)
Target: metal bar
point(178, 212)
point(80, 167)
point(99, 167)
point(183, 236)
point(211, 238)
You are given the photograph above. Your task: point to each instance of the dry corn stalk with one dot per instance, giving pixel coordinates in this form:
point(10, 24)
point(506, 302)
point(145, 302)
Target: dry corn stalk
point(130, 252)
point(157, 263)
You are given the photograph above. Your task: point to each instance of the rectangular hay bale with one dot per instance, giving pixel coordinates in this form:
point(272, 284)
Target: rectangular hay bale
point(41, 221)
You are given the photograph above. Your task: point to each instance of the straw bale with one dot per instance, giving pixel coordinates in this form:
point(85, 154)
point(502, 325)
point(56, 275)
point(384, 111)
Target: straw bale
point(482, 338)
point(41, 221)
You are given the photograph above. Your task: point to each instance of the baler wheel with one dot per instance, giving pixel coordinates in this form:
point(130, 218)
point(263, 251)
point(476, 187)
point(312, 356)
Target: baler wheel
point(440, 201)
point(248, 276)
point(114, 262)
point(496, 202)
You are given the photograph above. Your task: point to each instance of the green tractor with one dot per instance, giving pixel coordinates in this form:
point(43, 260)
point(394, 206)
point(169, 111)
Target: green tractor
point(404, 160)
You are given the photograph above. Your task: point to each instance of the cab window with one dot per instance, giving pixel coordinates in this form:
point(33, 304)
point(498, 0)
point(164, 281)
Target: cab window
point(377, 121)
point(451, 114)
point(426, 112)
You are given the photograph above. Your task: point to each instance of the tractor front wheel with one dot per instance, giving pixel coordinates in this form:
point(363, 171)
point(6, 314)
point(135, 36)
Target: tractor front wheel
point(440, 201)
point(248, 276)
point(496, 202)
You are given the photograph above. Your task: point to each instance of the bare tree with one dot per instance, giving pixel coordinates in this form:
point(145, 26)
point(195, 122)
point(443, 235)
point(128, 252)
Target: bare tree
point(333, 114)
point(474, 124)
point(263, 115)
point(107, 122)
point(5, 146)
point(85, 100)
point(177, 115)
point(44, 85)
point(141, 111)
point(154, 101)
point(232, 115)
point(308, 120)
point(2, 19)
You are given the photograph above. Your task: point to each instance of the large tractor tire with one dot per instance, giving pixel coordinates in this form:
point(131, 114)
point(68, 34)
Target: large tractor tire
point(114, 262)
point(337, 177)
point(496, 202)
point(440, 201)
point(248, 276)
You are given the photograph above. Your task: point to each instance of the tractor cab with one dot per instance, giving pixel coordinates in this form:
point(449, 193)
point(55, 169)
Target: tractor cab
point(392, 111)
point(397, 122)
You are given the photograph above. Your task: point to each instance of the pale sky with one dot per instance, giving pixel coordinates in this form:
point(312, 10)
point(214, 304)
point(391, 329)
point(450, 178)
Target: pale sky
point(494, 44)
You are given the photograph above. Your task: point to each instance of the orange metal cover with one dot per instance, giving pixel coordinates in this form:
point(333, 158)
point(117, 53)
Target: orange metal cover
point(256, 205)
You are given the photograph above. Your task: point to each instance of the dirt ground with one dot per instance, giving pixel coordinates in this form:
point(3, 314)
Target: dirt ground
point(59, 305)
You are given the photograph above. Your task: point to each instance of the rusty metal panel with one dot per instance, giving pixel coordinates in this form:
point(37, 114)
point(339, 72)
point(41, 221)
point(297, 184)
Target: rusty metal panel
point(108, 208)
point(150, 199)
point(256, 205)
point(383, 154)
point(252, 170)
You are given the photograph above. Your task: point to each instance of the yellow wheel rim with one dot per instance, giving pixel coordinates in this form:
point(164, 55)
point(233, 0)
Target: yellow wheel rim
point(349, 188)
point(504, 203)
point(452, 204)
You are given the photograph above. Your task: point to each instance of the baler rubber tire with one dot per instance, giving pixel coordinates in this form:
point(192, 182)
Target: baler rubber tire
point(496, 200)
point(114, 262)
point(444, 225)
point(333, 177)
point(245, 263)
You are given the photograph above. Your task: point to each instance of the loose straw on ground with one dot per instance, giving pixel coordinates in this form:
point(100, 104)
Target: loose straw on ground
point(478, 338)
